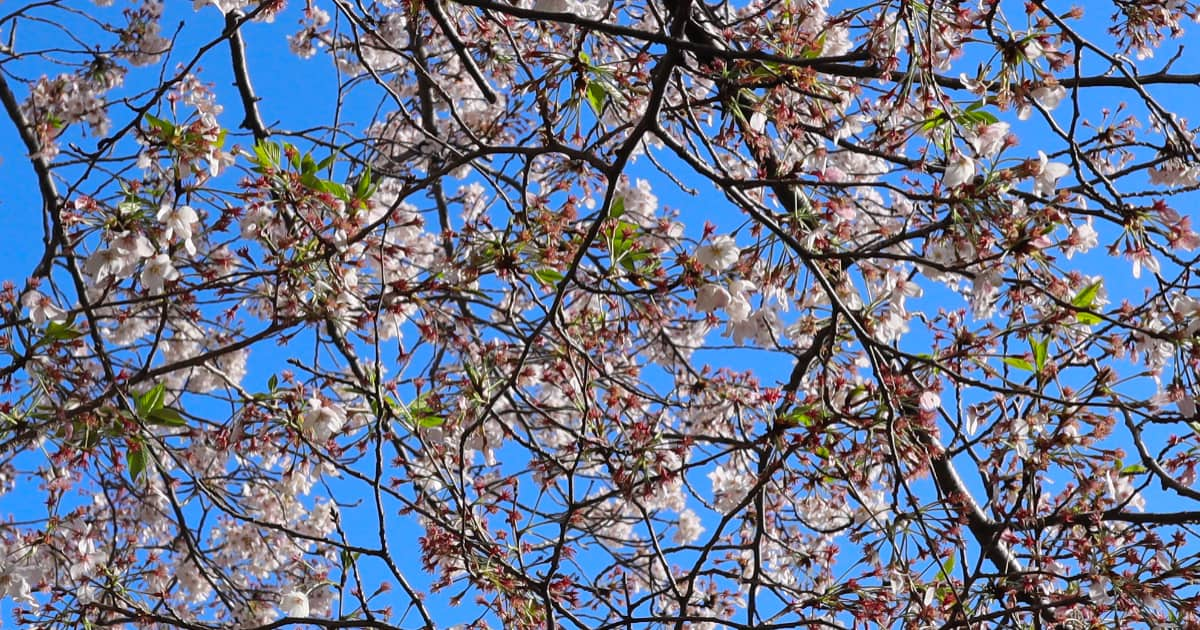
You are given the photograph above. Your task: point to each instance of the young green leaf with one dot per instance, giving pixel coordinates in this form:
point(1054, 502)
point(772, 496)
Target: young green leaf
point(308, 165)
point(937, 119)
point(362, 188)
point(1039, 348)
point(1087, 296)
point(618, 208)
point(151, 401)
point(58, 331)
point(948, 566)
point(596, 95)
point(1019, 363)
point(135, 460)
point(164, 126)
point(548, 276)
point(428, 422)
point(167, 416)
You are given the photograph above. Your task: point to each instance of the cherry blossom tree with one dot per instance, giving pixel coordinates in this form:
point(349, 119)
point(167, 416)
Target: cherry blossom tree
point(646, 313)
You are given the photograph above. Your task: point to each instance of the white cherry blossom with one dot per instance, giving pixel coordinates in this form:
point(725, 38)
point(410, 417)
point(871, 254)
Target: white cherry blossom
point(157, 271)
point(42, 308)
point(989, 139)
point(1047, 174)
point(294, 604)
point(960, 169)
point(322, 419)
point(180, 222)
point(688, 528)
point(711, 297)
point(1048, 96)
point(721, 254)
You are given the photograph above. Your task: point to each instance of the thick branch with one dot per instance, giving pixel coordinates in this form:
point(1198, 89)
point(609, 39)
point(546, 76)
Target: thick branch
point(842, 65)
point(241, 75)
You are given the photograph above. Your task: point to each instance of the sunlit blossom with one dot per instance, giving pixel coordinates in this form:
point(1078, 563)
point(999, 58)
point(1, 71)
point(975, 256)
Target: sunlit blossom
point(711, 297)
point(990, 139)
point(157, 271)
point(179, 224)
point(294, 604)
point(721, 254)
point(1047, 174)
point(42, 308)
point(959, 170)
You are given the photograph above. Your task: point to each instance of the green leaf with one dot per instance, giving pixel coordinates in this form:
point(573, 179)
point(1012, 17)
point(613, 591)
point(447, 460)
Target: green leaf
point(307, 164)
point(618, 208)
point(978, 117)
point(333, 188)
point(814, 51)
point(618, 247)
point(272, 382)
point(1133, 469)
point(260, 155)
point(151, 401)
point(1039, 352)
point(58, 331)
point(622, 231)
point(1086, 297)
point(768, 69)
point(798, 417)
point(1019, 363)
point(135, 459)
point(548, 276)
point(948, 567)
point(418, 414)
point(632, 260)
point(596, 95)
point(1088, 319)
point(267, 153)
point(131, 207)
point(168, 417)
point(166, 127)
point(936, 120)
point(362, 189)
point(428, 422)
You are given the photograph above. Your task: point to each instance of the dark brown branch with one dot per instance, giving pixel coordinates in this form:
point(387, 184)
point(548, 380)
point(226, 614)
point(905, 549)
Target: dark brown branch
point(841, 65)
point(460, 49)
point(241, 75)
